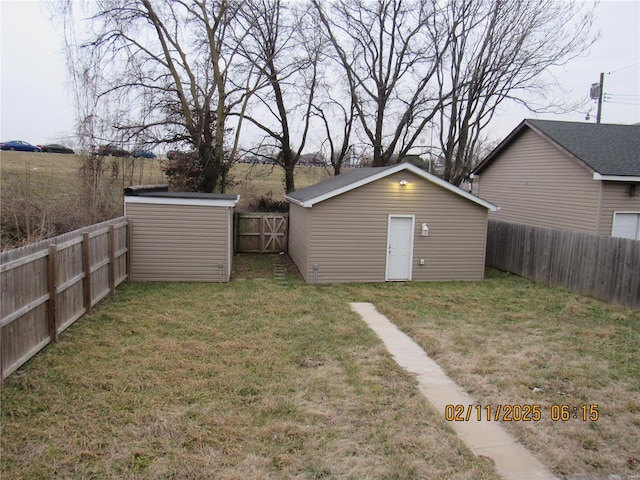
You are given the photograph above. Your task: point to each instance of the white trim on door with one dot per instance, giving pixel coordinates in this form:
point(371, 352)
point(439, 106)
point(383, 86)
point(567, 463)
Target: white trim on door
point(406, 269)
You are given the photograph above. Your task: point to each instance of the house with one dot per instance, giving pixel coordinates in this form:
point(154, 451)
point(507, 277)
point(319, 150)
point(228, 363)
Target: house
point(381, 224)
point(566, 175)
point(315, 159)
point(179, 236)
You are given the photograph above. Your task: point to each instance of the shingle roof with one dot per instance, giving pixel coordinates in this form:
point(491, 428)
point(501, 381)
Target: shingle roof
point(334, 186)
point(608, 149)
point(334, 183)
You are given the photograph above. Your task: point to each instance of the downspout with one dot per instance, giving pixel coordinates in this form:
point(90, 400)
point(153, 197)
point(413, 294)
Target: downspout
point(599, 214)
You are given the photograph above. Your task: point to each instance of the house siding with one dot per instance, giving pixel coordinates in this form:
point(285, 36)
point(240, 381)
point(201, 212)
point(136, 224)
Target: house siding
point(180, 242)
point(299, 225)
point(615, 198)
point(535, 183)
point(348, 238)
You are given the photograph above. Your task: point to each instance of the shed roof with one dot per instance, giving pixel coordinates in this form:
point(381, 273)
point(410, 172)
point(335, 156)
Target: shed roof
point(607, 150)
point(159, 194)
point(345, 182)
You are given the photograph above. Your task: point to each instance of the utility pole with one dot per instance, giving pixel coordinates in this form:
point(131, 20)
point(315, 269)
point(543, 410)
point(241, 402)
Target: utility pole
point(599, 114)
point(597, 93)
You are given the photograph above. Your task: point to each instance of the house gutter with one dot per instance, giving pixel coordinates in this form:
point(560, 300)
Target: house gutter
point(293, 200)
point(615, 178)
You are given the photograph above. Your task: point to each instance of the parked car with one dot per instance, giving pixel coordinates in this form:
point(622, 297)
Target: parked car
point(110, 151)
point(55, 148)
point(18, 145)
point(143, 154)
point(174, 154)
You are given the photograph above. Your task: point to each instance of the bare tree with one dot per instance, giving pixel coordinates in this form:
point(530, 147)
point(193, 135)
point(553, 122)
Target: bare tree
point(390, 51)
point(337, 118)
point(283, 45)
point(160, 72)
point(499, 50)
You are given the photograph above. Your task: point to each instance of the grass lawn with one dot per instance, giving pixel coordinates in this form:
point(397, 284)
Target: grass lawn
point(509, 341)
point(254, 379)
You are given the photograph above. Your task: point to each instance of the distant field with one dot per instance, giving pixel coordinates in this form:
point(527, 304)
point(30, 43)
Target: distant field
point(57, 174)
point(43, 194)
point(258, 180)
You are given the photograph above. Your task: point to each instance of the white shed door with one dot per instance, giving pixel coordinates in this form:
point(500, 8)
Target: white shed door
point(626, 225)
point(400, 247)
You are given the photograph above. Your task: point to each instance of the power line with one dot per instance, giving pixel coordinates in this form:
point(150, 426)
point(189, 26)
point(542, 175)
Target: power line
point(623, 68)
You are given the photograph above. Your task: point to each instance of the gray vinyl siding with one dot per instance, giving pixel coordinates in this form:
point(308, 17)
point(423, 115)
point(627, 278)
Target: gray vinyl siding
point(348, 238)
point(535, 183)
point(299, 221)
point(179, 243)
point(615, 198)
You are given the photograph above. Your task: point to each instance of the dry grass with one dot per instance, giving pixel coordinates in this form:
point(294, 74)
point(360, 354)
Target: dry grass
point(245, 380)
point(255, 181)
point(257, 380)
point(511, 341)
point(253, 379)
point(44, 195)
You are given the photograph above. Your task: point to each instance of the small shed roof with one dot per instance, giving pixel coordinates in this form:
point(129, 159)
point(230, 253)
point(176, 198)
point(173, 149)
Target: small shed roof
point(607, 150)
point(334, 186)
point(159, 194)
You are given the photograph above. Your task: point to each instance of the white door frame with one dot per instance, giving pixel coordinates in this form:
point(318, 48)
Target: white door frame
point(411, 241)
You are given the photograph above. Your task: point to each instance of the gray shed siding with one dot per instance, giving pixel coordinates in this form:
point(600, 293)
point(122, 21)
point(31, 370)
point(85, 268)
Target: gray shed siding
point(533, 182)
point(347, 234)
point(186, 243)
point(615, 198)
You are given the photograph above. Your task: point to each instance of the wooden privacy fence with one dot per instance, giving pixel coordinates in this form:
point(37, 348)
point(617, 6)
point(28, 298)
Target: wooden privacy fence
point(45, 287)
point(261, 232)
point(604, 267)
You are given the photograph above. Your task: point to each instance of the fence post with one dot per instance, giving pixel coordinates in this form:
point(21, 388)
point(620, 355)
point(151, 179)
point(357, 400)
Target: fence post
point(261, 233)
point(86, 268)
point(52, 307)
point(112, 259)
point(128, 267)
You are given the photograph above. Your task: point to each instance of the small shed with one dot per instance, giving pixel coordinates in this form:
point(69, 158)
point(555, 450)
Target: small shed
point(395, 223)
point(180, 236)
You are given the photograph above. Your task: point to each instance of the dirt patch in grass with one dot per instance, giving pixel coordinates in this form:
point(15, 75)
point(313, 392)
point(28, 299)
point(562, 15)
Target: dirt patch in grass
point(509, 341)
point(250, 379)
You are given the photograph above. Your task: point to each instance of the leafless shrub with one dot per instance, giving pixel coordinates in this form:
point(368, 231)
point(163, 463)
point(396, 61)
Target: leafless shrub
point(38, 205)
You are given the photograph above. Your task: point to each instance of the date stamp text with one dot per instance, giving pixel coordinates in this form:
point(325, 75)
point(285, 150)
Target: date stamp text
point(520, 413)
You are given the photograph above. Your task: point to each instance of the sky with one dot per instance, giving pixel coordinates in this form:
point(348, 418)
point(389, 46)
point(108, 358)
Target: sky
point(36, 104)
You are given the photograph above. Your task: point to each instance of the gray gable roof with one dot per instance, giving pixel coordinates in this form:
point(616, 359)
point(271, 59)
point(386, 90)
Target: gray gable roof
point(606, 149)
point(334, 186)
point(334, 183)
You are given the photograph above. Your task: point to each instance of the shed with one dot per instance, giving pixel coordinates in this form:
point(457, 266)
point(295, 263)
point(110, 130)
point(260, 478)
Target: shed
point(395, 223)
point(180, 236)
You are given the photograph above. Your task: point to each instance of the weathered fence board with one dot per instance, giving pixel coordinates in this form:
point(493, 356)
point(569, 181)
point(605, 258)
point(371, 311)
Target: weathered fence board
point(604, 267)
point(261, 232)
point(45, 287)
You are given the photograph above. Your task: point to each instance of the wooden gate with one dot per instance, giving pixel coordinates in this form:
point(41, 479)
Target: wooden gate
point(261, 232)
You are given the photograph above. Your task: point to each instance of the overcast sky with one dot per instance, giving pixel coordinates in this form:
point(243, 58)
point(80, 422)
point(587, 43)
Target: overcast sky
point(36, 106)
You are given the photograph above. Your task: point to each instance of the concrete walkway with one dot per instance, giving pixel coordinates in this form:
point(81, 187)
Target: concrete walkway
point(486, 438)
